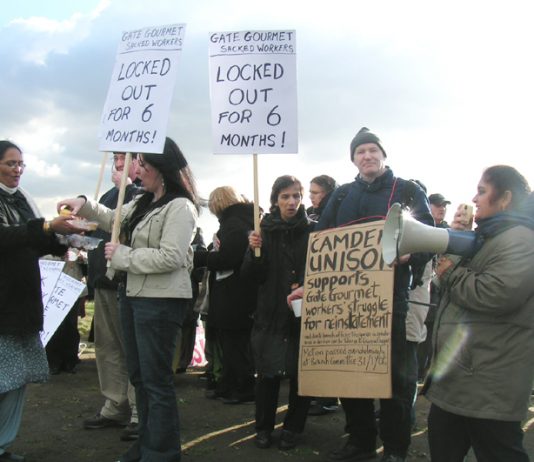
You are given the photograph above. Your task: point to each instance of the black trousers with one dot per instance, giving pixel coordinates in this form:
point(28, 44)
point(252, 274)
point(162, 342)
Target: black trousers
point(267, 390)
point(237, 364)
point(450, 437)
point(395, 413)
point(62, 348)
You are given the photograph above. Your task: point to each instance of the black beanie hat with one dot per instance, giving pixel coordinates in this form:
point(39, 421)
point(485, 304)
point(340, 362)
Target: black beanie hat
point(362, 137)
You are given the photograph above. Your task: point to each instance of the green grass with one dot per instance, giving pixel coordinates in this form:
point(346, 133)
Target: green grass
point(84, 324)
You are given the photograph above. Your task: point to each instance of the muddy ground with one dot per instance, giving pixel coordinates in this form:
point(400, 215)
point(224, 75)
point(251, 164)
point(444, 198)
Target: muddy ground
point(211, 431)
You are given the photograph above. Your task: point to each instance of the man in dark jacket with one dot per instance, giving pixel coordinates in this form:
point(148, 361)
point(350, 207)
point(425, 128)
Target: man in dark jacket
point(119, 405)
point(366, 199)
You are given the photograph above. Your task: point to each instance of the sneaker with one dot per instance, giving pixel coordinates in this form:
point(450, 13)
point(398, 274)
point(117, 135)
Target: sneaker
point(131, 432)
point(99, 421)
point(263, 439)
point(351, 453)
point(393, 458)
point(288, 440)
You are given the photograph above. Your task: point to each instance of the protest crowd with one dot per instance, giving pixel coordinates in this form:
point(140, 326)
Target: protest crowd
point(461, 325)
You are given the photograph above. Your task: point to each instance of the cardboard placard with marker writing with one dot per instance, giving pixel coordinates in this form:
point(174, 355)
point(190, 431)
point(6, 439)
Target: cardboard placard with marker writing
point(345, 343)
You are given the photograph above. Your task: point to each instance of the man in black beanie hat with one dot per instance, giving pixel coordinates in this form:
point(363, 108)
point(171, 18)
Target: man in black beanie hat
point(366, 199)
point(362, 137)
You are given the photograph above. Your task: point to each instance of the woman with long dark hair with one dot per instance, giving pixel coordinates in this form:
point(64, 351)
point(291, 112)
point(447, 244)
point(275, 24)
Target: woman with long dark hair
point(156, 257)
point(481, 375)
point(276, 331)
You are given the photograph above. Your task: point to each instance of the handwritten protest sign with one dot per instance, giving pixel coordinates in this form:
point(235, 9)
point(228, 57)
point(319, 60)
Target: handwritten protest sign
point(50, 271)
point(345, 347)
point(253, 92)
point(139, 97)
point(65, 293)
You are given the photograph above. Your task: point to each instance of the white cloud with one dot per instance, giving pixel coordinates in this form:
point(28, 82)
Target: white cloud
point(47, 35)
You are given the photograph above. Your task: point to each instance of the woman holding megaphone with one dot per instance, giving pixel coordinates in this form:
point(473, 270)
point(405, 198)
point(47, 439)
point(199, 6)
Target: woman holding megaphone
point(482, 372)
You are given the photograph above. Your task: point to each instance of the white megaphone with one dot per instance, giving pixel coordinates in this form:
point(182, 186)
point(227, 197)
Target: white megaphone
point(403, 235)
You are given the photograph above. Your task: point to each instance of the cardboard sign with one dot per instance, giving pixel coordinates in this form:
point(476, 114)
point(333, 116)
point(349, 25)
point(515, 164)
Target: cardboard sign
point(345, 343)
point(65, 293)
point(139, 98)
point(253, 89)
point(50, 271)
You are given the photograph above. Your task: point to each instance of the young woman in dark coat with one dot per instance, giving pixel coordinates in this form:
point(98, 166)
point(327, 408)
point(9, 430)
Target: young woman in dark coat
point(231, 300)
point(276, 332)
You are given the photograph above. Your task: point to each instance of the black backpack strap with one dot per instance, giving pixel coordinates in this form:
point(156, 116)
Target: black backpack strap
point(408, 193)
point(340, 197)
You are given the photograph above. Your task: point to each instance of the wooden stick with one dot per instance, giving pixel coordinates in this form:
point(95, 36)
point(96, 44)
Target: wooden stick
point(101, 174)
point(122, 190)
point(257, 252)
point(110, 273)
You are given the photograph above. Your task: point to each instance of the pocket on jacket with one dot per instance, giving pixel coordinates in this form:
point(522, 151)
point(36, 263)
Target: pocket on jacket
point(158, 281)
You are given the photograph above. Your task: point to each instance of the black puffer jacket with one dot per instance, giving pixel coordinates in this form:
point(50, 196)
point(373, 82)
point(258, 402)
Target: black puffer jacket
point(276, 331)
point(22, 242)
point(231, 300)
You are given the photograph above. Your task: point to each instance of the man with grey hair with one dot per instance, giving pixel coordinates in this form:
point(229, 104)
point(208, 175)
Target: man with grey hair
point(119, 406)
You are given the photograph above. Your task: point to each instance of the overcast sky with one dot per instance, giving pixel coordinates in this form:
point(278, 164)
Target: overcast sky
point(447, 86)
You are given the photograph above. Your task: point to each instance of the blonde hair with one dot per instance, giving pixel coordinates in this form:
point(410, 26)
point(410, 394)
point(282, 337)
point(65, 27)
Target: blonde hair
point(222, 198)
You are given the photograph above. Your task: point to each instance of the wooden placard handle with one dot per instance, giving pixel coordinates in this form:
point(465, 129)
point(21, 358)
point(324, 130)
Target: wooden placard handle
point(257, 251)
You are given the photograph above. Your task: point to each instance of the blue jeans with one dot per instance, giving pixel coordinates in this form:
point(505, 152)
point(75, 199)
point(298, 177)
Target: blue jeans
point(150, 327)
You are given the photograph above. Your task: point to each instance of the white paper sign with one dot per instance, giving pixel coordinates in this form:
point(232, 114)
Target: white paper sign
point(253, 89)
point(61, 300)
point(50, 271)
point(139, 98)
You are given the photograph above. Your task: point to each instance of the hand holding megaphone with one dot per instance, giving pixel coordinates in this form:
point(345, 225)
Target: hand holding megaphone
point(404, 235)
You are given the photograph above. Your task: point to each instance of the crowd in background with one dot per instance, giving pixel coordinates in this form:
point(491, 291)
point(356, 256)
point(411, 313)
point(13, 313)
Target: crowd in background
point(462, 325)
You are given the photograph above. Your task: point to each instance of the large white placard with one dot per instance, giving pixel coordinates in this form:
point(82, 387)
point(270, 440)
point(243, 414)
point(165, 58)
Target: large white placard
point(65, 293)
point(253, 89)
point(136, 111)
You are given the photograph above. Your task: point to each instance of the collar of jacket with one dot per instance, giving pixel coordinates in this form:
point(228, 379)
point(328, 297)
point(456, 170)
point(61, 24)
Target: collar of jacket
point(273, 221)
point(383, 180)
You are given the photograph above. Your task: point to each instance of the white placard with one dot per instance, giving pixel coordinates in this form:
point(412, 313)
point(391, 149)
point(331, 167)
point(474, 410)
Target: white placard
point(136, 111)
point(63, 297)
point(253, 90)
point(50, 271)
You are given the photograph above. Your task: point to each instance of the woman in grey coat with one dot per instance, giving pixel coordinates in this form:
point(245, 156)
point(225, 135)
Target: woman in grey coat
point(483, 368)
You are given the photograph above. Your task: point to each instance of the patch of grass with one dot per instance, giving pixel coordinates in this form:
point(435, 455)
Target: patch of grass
point(84, 324)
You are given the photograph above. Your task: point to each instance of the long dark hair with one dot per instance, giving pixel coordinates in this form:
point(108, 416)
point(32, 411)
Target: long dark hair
point(283, 182)
point(173, 167)
point(5, 145)
point(505, 178)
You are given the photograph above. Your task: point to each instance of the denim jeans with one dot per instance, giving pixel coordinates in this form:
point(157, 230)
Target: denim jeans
point(150, 327)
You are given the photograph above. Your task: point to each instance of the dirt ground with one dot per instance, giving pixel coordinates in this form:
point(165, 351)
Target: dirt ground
point(210, 430)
